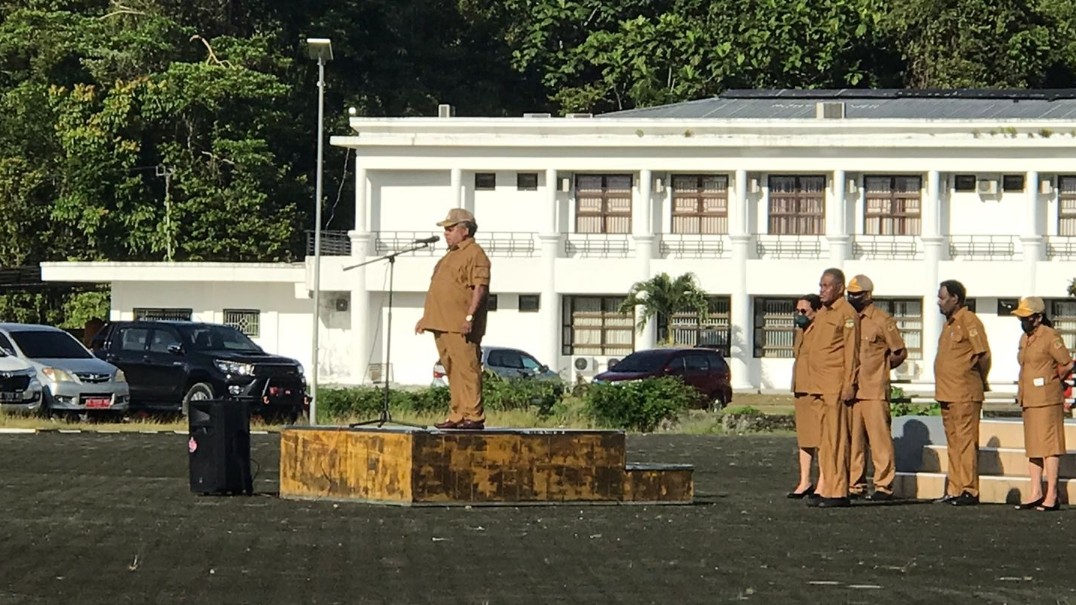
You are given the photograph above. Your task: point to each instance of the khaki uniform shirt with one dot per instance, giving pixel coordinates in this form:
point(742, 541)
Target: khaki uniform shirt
point(956, 373)
point(800, 365)
point(1039, 356)
point(879, 339)
point(832, 349)
point(457, 274)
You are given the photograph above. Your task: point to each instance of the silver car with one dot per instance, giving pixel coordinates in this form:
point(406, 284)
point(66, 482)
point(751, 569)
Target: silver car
point(505, 362)
point(20, 390)
point(72, 379)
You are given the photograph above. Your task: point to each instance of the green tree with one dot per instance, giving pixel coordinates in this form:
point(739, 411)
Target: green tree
point(663, 296)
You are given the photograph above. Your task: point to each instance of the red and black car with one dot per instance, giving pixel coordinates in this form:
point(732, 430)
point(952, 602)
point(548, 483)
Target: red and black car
point(703, 369)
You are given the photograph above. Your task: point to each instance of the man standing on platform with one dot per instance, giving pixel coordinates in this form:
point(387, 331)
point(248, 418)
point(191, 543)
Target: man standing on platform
point(455, 312)
point(960, 370)
point(880, 349)
point(833, 366)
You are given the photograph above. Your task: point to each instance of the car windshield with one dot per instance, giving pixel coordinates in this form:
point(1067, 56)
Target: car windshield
point(218, 338)
point(46, 344)
point(642, 361)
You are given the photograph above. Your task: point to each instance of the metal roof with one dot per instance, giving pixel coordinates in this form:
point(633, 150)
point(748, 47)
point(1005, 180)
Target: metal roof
point(867, 104)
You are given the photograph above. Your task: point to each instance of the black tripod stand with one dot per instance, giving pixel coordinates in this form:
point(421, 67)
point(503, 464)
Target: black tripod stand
point(386, 416)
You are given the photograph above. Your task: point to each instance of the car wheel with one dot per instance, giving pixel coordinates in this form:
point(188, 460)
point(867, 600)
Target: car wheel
point(718, 403)
point(198, 392)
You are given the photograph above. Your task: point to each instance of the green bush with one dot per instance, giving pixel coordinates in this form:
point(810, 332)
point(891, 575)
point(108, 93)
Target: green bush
point(742, 410)
point(521, 394)
point(637, 406)
point(345, 402)
point(907, 408)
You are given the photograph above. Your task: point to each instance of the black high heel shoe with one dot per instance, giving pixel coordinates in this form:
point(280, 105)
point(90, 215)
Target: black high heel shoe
point(1030, 505)
point(801, 495)
point(1049, 509)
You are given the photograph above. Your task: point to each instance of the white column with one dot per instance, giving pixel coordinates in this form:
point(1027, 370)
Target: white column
point(362, 211)
point(456, 187)
point(1034, 244)
point(933, 254)
point(837, 221)
point(742, 363)
point(360, 338)
point(549, 303)
point(642, 231)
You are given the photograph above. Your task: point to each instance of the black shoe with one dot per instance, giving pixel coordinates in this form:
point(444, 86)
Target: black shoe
point(856, 495)
point(799, 495)
point(834, 503)
point(946, 499)
point(1049, 509)
point(1029, 505)
point(813, 500)
point(878, 496)
point(965, 499)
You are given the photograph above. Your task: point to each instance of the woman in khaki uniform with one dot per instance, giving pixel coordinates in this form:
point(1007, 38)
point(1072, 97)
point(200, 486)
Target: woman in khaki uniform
point(808, 419)
point(1044, 360)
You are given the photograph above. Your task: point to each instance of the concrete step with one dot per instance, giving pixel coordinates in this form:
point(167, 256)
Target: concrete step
point(1008, 461)
point(993, 490)
point(1010, 433)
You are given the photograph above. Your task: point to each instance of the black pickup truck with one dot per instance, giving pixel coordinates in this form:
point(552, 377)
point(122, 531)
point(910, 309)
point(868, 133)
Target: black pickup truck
point(170, 363)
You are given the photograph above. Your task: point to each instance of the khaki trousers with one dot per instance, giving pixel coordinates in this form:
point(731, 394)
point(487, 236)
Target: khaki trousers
point(833, 447)
point(961, 420)
point(870, 422)
point(461, 357)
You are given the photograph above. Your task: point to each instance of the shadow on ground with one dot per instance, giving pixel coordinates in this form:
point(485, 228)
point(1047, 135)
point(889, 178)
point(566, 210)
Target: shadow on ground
point(93, 518)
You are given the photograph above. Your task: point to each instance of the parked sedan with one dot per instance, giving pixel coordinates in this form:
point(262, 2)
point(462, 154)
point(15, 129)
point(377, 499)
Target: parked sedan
point(73, 380)
point(504, 362)
point(20, 391)
point(703, 369)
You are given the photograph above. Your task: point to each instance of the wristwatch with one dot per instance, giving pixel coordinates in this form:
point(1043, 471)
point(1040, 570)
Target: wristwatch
point(469, 318)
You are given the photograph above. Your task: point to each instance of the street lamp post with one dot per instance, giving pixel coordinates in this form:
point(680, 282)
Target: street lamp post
point(322, 50)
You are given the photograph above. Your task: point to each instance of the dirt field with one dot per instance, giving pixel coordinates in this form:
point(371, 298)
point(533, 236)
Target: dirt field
point(93, 518)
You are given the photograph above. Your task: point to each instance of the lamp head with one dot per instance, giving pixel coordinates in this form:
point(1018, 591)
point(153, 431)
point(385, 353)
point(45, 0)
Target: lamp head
point(320, 48)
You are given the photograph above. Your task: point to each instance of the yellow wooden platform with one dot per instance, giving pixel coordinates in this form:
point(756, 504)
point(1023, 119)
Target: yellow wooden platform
point(409, 466)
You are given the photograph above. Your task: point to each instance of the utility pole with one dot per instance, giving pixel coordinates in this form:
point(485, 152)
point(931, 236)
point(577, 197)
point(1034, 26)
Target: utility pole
point(167, 171)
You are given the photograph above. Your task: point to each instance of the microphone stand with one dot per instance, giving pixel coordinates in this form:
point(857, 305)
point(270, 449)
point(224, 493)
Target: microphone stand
point(386, 416)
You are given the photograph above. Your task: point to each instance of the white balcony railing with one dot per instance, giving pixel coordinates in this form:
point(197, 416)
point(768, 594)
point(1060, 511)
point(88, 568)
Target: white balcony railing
point(888, 247)
point(597, 245)
point(495, 243)
point(791, 246)
point(1061, 247)
point(983, 247)
point(333, 243)
point(690, 245)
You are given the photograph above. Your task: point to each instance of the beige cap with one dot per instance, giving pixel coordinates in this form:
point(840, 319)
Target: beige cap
point(1029, 306)
point(457, 216)
point(860, 283)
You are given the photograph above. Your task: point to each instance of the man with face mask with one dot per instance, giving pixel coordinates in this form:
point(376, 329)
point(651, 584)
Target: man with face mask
point(807, 411)
point(960, 370)
point(880, 349)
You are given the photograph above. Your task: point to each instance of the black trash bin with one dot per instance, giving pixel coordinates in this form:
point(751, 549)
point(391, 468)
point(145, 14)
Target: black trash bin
point(219, 446)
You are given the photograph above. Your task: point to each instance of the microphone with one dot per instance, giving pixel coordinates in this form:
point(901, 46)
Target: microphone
point(427, 240)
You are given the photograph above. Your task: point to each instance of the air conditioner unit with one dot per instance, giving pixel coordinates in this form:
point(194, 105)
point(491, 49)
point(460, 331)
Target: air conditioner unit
point(611, 363)
point(342, 304)
point(907, 370)
point(1046, 186)
point(987, 186)
point(585, 366)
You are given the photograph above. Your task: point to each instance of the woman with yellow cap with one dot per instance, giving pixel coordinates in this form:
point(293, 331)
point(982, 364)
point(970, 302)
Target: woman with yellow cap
point(1044, 361)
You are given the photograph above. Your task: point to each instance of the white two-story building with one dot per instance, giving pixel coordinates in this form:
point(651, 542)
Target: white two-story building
point(755, 192)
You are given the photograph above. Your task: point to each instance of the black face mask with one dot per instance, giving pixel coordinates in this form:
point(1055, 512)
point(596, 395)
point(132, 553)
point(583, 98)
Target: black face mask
point(1027, 324)
point(858, 302)
point(802, 321)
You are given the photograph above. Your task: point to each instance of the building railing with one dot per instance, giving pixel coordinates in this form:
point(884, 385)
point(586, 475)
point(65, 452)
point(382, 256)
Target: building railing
point(790, 246)
point(982, 247)
point(1062, 247)
point(691, 245)
point(387, 242)
point(889, 247)
point(600, 245)
point(333, 243)
point(507, 243)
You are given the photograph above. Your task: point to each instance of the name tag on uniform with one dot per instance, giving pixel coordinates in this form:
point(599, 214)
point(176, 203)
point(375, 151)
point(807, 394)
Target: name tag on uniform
point(1040, 381)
